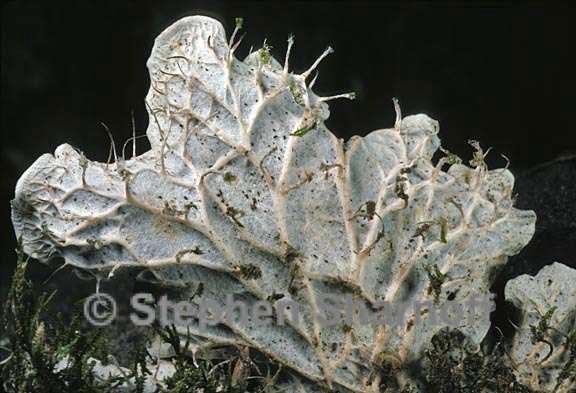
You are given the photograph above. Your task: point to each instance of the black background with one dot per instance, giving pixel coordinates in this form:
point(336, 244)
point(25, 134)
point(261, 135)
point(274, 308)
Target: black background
point(499, 73)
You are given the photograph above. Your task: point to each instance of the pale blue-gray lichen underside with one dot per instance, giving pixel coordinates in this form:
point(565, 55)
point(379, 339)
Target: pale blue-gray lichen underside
point(246, 191)
point(545, 361)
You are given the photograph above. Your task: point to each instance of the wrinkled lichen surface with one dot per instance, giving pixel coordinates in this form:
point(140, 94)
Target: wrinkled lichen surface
point(245, 192)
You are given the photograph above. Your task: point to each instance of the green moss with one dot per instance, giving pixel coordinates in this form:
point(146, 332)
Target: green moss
point(304, 130)
point(568, 372)
point(264, 52)
point(33, 357)
point(239, 21)
point(229, 177)
point(437, 279)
